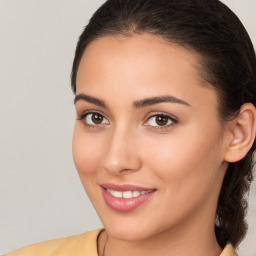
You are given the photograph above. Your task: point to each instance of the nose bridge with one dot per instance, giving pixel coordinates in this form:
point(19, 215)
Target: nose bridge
point(121, 153)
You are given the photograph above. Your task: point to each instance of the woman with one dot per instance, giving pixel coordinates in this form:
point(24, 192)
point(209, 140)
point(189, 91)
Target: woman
point(165, 95)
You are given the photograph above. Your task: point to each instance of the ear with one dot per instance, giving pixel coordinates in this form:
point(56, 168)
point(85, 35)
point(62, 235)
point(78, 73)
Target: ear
point(243, 130)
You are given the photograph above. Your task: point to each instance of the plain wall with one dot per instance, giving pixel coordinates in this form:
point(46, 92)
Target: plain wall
point(41, 196)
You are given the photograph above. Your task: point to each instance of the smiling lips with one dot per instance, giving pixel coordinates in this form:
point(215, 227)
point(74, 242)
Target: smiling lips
point(124, 198)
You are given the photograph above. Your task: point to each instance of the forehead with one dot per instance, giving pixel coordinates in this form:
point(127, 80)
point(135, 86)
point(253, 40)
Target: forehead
point(140, 66)
point(143, 51)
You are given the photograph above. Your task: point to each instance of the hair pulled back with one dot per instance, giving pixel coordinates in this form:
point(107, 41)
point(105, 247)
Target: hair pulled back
point(228, 64)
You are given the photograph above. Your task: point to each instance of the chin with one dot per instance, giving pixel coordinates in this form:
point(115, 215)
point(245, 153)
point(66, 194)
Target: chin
point(127, 234)
point(129, 229)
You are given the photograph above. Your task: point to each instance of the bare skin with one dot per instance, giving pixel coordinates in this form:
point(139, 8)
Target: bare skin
point(184, 160)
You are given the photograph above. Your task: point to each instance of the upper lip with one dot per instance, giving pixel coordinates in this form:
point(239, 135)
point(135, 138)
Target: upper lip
point(124, 187)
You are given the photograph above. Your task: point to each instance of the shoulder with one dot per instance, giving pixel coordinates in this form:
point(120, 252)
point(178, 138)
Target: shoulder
point(82, 244)
point(229, 251)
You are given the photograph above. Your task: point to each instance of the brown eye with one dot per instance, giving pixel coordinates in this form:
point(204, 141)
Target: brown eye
point(94, 119)
point(162, 120)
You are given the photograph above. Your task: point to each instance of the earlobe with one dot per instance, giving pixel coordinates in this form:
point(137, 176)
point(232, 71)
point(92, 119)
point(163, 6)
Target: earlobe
point(243, 134)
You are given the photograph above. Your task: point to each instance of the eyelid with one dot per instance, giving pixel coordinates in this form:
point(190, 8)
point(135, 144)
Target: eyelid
point(88, 112)
point(161, 113)
point(171, 117)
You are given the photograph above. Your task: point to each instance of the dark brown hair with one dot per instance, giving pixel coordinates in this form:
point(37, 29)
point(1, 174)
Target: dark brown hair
point(228, 62)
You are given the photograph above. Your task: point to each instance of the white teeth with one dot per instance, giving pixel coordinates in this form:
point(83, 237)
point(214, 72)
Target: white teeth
point(117, 194)
point(126, 194)
point(135, 193)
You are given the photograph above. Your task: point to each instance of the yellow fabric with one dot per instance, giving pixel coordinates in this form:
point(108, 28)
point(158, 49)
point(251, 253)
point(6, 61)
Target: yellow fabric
point(77, 245)
point(229, 251)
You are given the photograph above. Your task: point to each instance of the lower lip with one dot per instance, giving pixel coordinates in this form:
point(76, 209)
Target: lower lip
point(125, 204)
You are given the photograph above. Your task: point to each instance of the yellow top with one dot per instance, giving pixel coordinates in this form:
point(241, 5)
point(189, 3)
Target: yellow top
point(77, 245)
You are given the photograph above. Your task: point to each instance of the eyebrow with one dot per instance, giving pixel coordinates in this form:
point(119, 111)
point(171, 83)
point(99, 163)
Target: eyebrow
point(157, 100)
point(90, 99)
point(137, 104)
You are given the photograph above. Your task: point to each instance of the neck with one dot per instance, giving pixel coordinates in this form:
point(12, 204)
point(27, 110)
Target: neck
point(182, 247)
point(195, 236)
point(172, 242)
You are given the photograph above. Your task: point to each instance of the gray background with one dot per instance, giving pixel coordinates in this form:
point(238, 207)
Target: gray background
point(40, 192)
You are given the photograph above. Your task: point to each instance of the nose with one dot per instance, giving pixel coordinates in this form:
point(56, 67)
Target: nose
point(122, 155)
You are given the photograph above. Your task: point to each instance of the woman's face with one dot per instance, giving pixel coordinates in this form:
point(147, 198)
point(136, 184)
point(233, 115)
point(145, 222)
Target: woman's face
point(147, 124)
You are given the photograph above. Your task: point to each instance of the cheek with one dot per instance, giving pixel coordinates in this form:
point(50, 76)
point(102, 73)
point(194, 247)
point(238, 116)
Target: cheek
point(186, 162)
point(86, 152)
point(187, 176)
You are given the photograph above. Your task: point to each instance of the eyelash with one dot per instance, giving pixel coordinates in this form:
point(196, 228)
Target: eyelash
point(83, 116)
point(173, 121)
point(170, 119)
